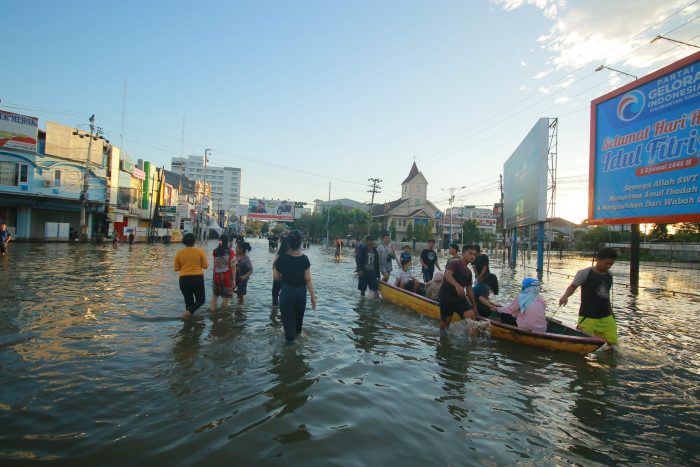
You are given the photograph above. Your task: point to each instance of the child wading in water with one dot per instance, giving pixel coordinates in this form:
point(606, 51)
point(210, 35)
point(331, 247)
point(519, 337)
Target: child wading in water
point(595, 314)
point(244, 270)
point(224, 273)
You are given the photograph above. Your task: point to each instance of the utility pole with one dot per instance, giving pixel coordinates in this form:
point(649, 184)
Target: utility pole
point(375, 190)
point(205, 231)
point(86, 183)
point(503, 224)
point(328, 218)
point(451, 199)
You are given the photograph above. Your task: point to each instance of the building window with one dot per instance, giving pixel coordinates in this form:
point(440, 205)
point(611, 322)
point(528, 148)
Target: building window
point(12, 173)
point(57, 178)
point(405, 189)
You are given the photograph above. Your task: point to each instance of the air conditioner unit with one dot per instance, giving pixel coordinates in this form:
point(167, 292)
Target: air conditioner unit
point(48, 183)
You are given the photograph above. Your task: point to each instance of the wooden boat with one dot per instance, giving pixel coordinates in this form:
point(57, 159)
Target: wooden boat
point(558, 336)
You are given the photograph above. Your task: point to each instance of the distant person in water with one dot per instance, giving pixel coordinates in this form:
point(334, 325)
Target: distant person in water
point(277, 284)
point(528, 308)
point(453, 253)
point(244, 269)
point(224, 280)
point(387, 255)
point(338, 247)
point(132, 237)
point(5, 238)
point(191, 262)
point(294, 271)
point(367, 264)
point(595, 315)
point(428, 261)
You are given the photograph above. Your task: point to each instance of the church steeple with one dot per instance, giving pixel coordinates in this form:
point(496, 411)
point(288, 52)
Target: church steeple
point(415, 186)
point(414, 171)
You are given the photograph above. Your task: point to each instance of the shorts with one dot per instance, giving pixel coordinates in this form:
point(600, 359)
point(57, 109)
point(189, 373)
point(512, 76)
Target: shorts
point(459, 306)
point(242, 288)
point(602, 327)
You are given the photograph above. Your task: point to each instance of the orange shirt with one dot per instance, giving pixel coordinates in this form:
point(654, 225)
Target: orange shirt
point(191, 261)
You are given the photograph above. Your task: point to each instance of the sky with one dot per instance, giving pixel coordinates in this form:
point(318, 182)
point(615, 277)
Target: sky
point(305, 94)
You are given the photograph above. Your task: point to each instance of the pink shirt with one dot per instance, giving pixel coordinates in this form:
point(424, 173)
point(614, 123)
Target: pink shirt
point(533, 319)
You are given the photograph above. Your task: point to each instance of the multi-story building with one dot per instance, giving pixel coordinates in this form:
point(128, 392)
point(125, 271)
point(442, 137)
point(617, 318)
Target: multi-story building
point(225, 182)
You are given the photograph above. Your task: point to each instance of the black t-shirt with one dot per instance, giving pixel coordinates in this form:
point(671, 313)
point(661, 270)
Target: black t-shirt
point(292, 269)
point(461, 274)
point(429, 257)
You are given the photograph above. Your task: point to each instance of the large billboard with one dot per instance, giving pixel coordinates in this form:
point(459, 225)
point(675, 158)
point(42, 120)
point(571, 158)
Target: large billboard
point(18, 131)
point(60, 141)
point(525, 179)
point(270, 210)
point(645, 139)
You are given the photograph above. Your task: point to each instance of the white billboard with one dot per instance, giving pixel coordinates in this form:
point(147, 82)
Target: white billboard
point(525, 179)
point(18, 131)
point(271, 210)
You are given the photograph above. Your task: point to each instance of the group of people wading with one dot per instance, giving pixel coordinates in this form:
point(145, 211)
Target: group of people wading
point(232, 269)
point(467, 285)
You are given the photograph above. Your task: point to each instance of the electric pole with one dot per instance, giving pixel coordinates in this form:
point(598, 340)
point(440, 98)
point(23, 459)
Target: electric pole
point(503, 227)
point(451, 199)
point(375, 189)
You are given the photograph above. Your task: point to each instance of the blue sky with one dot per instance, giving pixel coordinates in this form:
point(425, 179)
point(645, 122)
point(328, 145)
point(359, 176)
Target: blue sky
point(302, 93)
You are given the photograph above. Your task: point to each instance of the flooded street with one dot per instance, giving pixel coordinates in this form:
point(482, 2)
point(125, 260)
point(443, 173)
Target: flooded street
point(97, 369)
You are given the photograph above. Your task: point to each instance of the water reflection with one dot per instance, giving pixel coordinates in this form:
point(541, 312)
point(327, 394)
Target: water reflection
point(290, 390)
point(369, 325)
point(454, 363)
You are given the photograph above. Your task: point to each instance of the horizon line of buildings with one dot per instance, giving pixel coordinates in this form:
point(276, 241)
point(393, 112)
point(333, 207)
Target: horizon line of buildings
point(51, 179)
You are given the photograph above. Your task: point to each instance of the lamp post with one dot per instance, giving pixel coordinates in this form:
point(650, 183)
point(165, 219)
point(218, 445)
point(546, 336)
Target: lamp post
point(601, 67)
point(94, 135)
point(451, 200)
point(673, 40)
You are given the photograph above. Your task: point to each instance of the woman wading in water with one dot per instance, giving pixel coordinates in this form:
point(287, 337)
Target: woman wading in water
point(294, 270)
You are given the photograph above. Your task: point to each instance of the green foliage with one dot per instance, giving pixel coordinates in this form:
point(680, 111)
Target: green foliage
point(687, 232)
point(392, 229)
point(409, 232)
point(660, 233)
point(341, 222)
point(471, 234)
point(595, 238)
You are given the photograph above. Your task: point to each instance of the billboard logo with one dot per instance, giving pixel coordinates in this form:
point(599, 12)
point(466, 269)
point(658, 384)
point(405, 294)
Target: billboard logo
point(631, 105)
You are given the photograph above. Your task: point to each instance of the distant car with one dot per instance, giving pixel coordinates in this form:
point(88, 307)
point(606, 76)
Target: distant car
point(284, 207)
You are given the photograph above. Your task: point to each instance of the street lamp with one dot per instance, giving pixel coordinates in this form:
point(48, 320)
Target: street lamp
point(601, 67)
point(673, 40)
point(451, 200)
point(94, 135)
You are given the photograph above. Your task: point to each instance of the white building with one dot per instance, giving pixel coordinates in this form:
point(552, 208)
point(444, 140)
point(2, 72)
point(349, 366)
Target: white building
point(225, 182)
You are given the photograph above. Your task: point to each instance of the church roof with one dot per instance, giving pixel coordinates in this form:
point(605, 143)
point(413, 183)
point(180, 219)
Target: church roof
point(414, 171)
point(378, 209)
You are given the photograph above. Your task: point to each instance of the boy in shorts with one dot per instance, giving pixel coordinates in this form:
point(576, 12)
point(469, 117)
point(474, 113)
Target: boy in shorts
point(456, 295)
point(595, 315)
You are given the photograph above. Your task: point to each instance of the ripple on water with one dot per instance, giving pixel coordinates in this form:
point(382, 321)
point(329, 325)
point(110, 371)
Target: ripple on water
point(98, 368)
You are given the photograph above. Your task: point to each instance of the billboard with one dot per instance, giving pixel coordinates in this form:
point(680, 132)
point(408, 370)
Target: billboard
point(645, 139)
point(60, 141)
point(18, 131)
point(525, 179)
point(270, 210)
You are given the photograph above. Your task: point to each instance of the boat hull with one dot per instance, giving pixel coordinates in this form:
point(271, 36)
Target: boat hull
point(574, 341)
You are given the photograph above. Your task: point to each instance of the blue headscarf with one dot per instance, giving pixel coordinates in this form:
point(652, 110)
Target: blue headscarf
point(531, 289)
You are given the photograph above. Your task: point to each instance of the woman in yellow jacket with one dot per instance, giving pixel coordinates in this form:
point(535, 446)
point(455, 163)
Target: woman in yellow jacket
point(191, 262)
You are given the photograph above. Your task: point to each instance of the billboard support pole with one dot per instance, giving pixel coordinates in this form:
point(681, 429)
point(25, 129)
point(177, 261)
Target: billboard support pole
point(634, 259)
point(540, 250)
point(514, 248)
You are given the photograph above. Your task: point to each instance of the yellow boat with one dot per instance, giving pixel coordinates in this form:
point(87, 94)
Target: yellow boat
point(558, 336)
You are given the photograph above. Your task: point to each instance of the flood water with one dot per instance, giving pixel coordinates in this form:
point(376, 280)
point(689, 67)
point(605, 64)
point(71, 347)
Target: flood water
point(96, 369)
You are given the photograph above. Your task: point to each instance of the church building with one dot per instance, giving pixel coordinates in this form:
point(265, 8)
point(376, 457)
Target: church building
point(413, 208)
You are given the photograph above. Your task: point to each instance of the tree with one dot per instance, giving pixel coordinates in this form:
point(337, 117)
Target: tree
point(471, 232)
point(392, 229)
point(409, 232)
point(660, 232)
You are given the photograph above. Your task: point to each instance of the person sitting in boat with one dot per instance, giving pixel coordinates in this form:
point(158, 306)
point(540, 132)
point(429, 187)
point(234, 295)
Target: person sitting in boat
point(484, 305)
point(528, 308)
point(406, 279)
point(432, 288)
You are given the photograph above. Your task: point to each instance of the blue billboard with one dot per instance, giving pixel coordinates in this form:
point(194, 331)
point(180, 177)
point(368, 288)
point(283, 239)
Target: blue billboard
point(645, 140)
